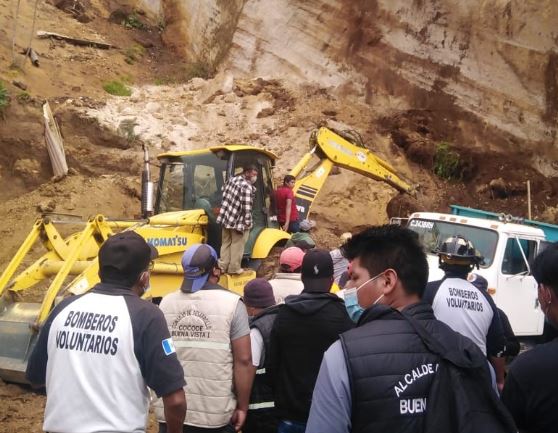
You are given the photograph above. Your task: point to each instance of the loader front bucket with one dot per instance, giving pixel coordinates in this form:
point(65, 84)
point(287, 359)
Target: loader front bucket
point(17, 338)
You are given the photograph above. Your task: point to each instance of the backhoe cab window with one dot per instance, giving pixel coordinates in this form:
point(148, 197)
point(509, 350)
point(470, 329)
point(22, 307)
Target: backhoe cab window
point(205, 183)
point(431, 233)
point(171, 188)
point(193, 183)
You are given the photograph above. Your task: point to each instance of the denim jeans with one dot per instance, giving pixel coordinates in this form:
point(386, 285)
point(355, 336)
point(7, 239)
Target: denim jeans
point(294, 227)
point(286, 426)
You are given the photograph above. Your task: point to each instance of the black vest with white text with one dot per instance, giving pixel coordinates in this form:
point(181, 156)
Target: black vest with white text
point(390, 371)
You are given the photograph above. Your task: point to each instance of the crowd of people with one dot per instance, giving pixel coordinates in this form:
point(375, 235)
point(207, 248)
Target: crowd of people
point(349, 340)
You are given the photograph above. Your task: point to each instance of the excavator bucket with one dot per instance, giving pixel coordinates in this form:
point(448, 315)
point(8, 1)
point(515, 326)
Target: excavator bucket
point(17, 338)
point(20, 321)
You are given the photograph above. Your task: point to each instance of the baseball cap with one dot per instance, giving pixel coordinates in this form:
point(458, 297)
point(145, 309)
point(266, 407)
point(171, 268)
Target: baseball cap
point(197, 263)
point(291, 257)
point(258, 293)
point(317, 271)
point(123, 257)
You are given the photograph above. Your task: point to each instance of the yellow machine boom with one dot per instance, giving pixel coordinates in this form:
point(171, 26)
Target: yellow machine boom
point(333, 150)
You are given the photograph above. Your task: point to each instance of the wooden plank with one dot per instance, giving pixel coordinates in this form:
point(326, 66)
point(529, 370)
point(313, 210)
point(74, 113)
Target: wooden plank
point(76, 41)
point(55, 144)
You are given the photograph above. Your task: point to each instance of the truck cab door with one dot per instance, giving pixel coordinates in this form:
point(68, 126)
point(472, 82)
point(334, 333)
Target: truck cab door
point(517, 289)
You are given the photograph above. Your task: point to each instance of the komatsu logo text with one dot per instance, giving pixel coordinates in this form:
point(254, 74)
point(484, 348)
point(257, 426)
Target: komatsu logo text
point(174, 241)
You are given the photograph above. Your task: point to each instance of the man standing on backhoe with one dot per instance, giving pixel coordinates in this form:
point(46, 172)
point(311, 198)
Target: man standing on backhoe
point(235, 218)
point(287, 213)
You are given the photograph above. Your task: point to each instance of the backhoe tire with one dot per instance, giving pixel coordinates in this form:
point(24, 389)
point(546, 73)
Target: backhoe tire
point(270, 265)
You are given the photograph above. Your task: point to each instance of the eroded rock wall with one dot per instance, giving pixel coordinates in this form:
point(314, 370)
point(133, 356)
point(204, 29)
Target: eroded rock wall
point(497, 59)
point(201, 31)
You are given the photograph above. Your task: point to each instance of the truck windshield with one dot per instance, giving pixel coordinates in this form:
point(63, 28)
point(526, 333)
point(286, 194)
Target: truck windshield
point(432, 232)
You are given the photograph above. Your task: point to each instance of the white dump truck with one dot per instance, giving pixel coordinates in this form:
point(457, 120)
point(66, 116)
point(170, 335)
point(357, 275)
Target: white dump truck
point(508, 246)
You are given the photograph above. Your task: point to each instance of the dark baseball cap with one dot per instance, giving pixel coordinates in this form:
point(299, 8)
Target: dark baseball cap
point(258, 293)
point(317, 271)
point(197, 263)
point(123, 257)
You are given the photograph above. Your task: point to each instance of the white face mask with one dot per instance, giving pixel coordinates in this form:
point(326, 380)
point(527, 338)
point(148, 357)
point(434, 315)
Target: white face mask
point(365, 283)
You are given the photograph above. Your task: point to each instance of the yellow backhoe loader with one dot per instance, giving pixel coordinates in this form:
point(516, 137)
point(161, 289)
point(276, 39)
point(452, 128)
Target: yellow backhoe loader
point(186, 202)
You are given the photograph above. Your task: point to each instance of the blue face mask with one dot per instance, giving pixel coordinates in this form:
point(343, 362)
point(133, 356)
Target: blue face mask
point(354, 310)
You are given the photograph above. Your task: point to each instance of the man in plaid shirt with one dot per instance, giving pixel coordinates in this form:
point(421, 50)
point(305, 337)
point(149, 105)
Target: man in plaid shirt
point(235, 218)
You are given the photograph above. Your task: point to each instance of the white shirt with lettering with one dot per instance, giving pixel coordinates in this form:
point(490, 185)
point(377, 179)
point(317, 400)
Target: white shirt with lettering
point(465, 309)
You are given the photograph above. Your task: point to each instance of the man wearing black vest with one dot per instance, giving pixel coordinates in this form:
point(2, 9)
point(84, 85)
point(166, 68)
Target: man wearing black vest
point(305, 327)
point(378, 376)
point(260, 304)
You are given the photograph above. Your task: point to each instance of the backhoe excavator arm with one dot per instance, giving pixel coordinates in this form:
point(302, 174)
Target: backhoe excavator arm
point(334, 150)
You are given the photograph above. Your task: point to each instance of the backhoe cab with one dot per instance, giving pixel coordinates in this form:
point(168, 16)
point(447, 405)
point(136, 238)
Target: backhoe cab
point(194, 180)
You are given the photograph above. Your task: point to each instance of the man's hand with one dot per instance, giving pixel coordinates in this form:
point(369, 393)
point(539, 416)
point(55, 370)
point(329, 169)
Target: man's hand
point(175, 410)
point(243, 373)
point(240, 232)
point(286, 227)
point(238, 418)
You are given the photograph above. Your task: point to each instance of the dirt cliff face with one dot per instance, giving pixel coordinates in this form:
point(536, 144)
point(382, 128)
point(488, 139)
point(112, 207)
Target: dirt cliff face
point(496, 59)
point(201, 31)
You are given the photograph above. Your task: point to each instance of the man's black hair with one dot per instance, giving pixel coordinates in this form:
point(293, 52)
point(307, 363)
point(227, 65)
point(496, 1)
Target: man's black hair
point(391, 246)
point(249, 167)
point(288, 178)
point(126, 278)
point(545, 267)
point(455, 270)
point(285, 268)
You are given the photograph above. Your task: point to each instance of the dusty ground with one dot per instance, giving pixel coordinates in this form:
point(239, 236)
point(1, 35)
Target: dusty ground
point(167, 110)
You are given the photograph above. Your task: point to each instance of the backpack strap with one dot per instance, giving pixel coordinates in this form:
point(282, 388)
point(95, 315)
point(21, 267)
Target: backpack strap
point(430, 342)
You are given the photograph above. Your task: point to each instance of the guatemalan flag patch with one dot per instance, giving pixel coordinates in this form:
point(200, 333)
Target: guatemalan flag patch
point(168, 346)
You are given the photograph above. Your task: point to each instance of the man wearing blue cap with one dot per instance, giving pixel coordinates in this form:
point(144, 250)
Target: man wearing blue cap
point(209, 326)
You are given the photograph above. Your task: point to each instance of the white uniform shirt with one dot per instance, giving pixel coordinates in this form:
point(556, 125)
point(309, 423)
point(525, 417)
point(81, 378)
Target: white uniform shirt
point(467, 310)
point(97, 353)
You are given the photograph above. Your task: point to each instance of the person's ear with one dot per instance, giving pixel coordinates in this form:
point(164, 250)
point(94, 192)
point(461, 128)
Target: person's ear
point(144, 279)
point(547, 295)
point(389, 281)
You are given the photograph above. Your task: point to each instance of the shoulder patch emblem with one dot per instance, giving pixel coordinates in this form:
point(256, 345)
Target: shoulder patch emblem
point(168, 346)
